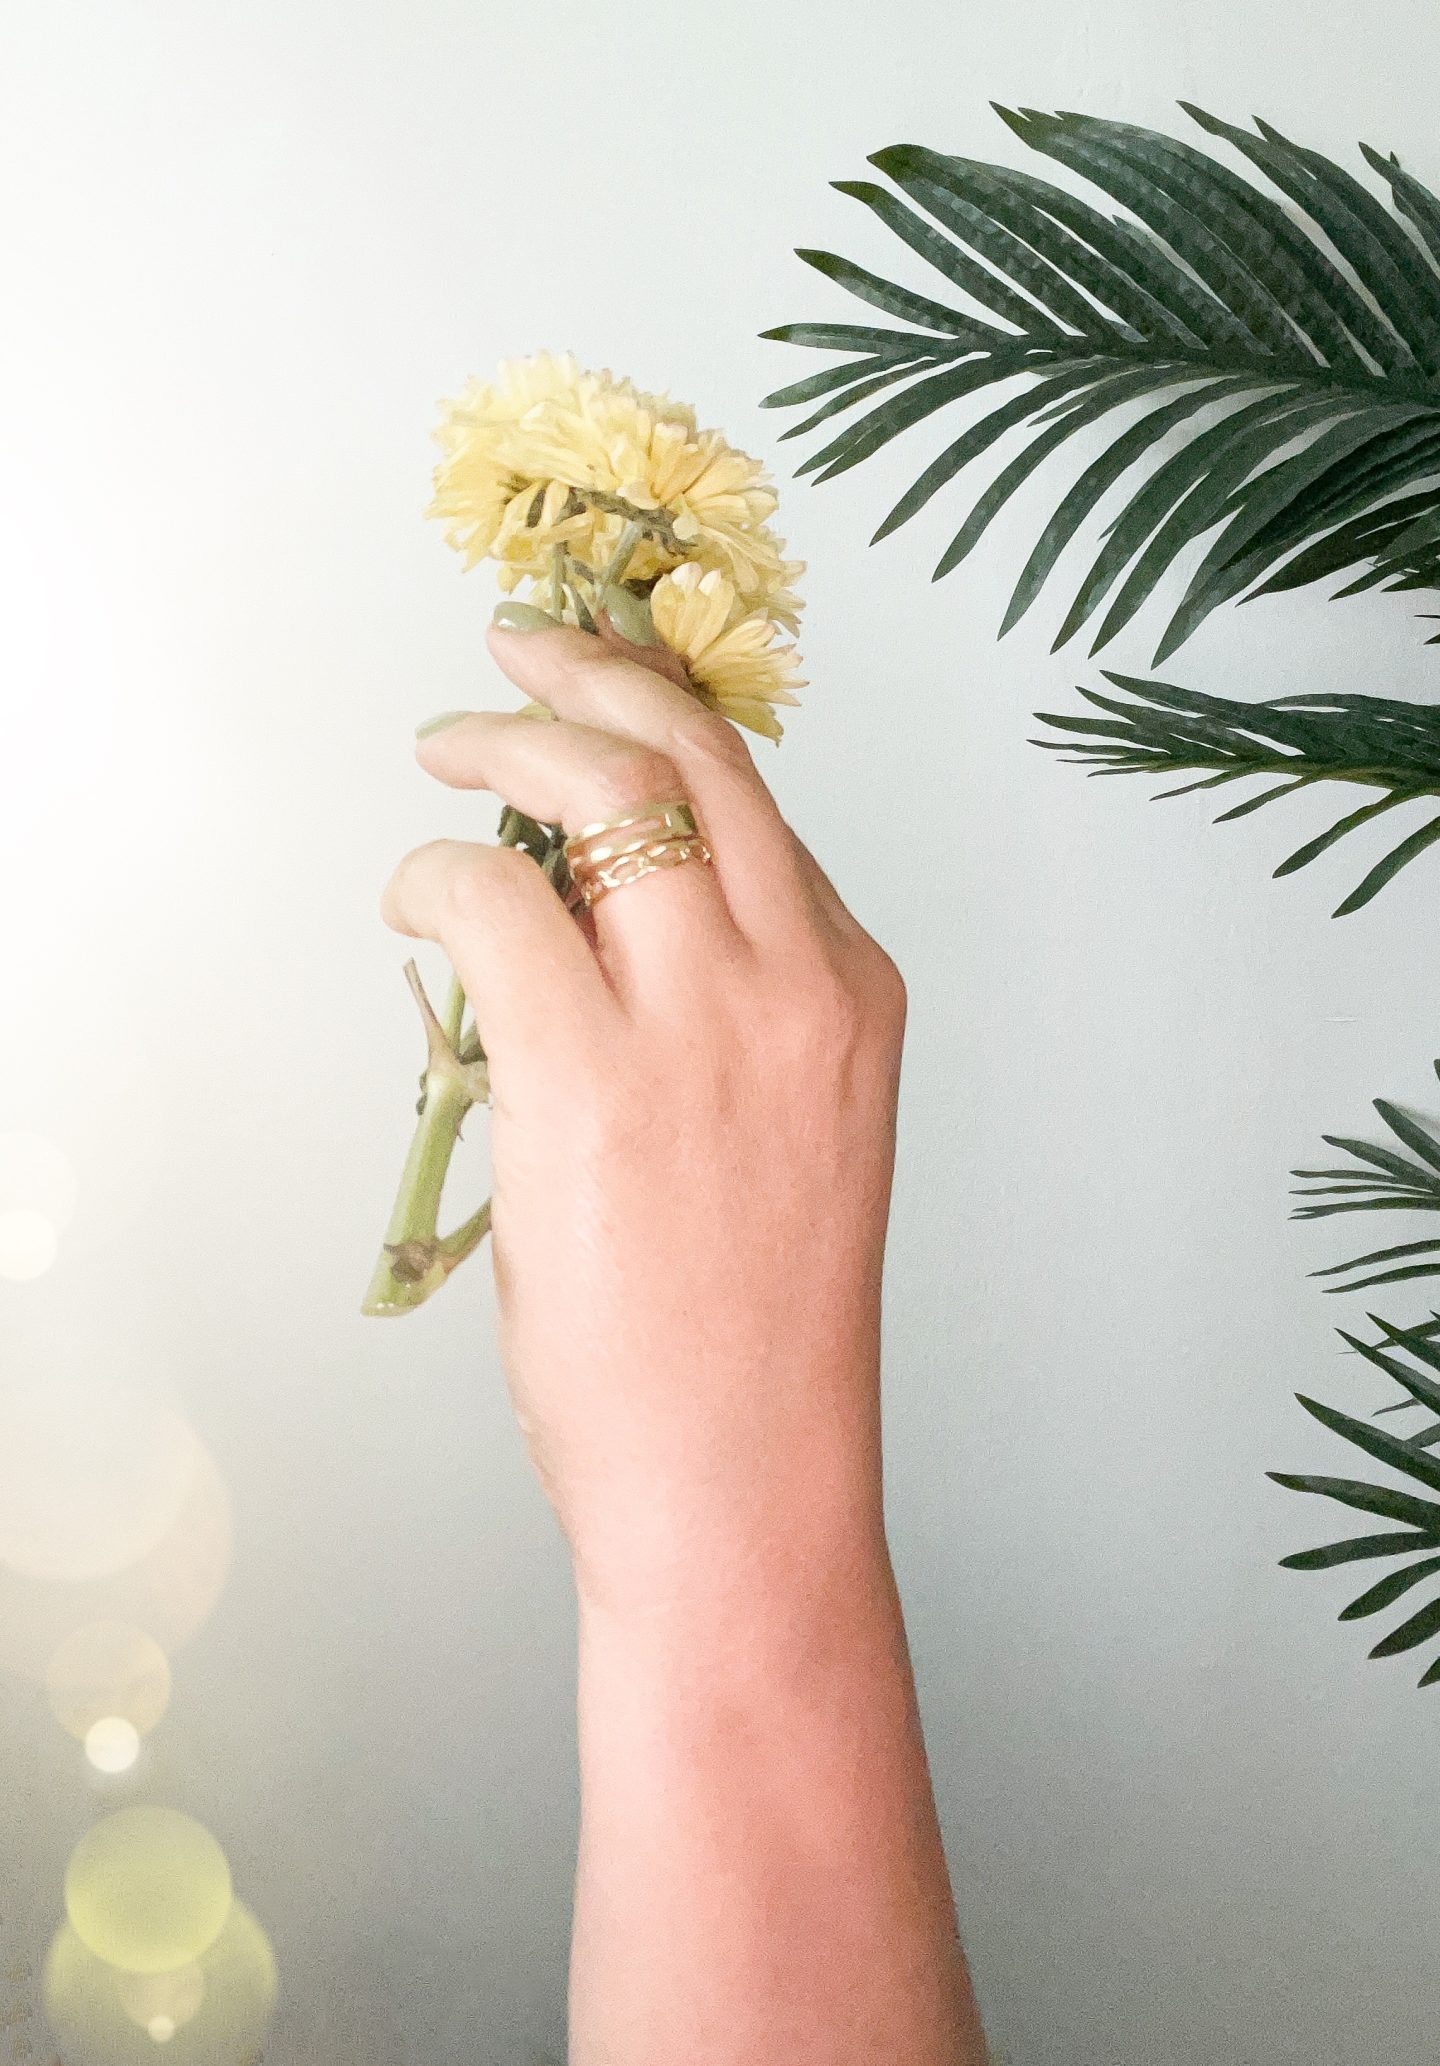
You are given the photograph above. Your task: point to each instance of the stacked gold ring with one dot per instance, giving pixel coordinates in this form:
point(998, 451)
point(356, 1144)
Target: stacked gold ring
point(618, 851)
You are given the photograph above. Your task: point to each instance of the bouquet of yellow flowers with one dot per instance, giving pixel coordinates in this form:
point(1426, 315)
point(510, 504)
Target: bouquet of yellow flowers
point(609, 509)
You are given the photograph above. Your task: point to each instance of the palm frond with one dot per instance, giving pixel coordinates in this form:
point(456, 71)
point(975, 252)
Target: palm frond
point(1378, 1179)
point(1285, 361)
point(1294, 742)
point(1418, 1534)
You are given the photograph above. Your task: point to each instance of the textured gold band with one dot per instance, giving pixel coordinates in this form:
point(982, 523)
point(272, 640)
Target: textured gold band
point(618, 851)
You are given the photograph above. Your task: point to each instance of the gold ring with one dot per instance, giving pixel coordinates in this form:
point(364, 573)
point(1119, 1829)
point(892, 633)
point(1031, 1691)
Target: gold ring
point(617, 851)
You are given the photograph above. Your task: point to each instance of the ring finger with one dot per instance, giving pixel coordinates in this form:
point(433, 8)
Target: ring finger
point(575, 775)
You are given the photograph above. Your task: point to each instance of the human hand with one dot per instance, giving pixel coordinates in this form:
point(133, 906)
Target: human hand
point(693, 1125)
point(693, 1131)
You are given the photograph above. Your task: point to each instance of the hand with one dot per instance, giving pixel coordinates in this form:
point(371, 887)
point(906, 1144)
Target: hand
point(693, 1128)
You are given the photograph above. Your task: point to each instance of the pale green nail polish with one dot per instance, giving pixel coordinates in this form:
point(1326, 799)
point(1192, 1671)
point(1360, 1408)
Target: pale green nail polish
point(438, 724)
point(521, 617)
point(630, 615)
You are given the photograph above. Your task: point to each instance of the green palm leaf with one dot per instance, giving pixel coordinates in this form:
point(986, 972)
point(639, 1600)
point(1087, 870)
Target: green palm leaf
point(1266, 376)
point(1382, 1179)
point(1419, 1516)
point(1293, 743)
point(1378, 1179)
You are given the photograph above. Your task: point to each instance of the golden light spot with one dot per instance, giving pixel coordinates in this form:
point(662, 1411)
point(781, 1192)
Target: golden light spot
point(92, 1476)
point(29, 1243)
point(148, 1890)
point(170, 1592)
point(172, 1999)
point(214, 2010)
point(104, 1672)
point(242, 1984)
point(112, 1744)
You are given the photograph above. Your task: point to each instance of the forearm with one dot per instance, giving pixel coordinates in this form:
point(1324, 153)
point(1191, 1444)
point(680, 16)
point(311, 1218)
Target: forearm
point(693, 1127)
point(761, 1876)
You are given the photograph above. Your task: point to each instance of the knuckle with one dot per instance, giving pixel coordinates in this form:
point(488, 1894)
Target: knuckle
point(819, 1012)
point(706, 733)
point(594, 666)
point(462, 892)
point(392, 905)
point(477, 874)
point(416, 899)
point(846, 1007)
point(510, 866)
point(635, 774)
point(883, 986)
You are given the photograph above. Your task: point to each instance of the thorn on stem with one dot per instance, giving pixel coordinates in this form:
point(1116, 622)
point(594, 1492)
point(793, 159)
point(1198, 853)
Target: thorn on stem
point(471, 1072)
point(437, 1046)
point(411, 1261)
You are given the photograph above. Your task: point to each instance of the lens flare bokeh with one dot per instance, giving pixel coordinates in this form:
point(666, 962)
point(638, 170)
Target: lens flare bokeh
point(37, 1199)
point(211, 2011)
point(112, 1745)
point(161, 2004)
point(148, 1890)
point(93, 1475)
point(108, 1671)
point(170, 1592)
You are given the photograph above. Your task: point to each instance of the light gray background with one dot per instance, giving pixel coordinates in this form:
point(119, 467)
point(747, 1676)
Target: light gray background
point(245, 250)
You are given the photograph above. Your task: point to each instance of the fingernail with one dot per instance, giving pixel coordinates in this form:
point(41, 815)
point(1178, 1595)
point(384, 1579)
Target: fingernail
point(630, 615)
point(521, 617)
point(438, 724)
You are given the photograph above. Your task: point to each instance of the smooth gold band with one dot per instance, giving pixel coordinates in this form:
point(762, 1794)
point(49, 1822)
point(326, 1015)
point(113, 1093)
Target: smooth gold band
point(615, 852)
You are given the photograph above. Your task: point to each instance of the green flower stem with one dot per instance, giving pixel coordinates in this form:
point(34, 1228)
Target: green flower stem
point(415, 1258)
point(454, 1012)
point(620, 559)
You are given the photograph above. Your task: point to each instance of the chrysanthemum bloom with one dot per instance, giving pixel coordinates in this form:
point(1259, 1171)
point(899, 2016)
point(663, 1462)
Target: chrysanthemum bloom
point(548, 455)
point(732, 655)
point(474, 487)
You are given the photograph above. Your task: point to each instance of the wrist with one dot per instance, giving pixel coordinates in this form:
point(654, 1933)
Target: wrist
point(749, 1589)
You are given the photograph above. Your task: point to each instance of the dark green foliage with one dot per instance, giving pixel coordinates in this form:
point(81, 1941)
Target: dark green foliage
point(1290, 404)
point(1382, 1179)
point(1256, 359)
point(1379, 1179)
point(1389, 746)
point(1418, 1513)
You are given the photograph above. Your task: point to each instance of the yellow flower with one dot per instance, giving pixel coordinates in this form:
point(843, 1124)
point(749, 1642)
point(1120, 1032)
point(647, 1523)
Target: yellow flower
point(613, 441)
point(474, 486)
point(730, 651)
point(549, 455)
point(520, 384)
point(515, 448)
